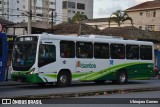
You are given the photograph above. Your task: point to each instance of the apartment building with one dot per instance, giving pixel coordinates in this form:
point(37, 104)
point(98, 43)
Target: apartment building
point(146, 16)
point(71, 7)
point(17, 10)
point(4, 9)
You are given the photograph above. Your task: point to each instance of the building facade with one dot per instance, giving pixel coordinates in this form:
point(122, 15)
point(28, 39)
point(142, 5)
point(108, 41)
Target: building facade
point(17, 10)
point(146, 16)
point(4, 9)
point(63, 10)
point(71, 7)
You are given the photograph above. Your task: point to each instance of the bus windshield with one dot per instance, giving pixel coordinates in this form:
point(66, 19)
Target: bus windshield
point(24, 53)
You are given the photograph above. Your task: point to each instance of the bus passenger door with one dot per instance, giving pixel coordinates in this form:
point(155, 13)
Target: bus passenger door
point(47, 62)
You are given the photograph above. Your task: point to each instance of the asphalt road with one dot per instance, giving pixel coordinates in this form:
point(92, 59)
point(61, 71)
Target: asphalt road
point(25, 90)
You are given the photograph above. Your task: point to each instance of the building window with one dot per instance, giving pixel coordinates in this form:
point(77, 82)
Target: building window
point(140, 27)
point(52, 3)
point(64, 4)
point(68, 4)
point(141, 13)
point(69, 11)
point(71, 5)
point(81, 6)
point(73, 12)
point(154, 14)
point(82, 12)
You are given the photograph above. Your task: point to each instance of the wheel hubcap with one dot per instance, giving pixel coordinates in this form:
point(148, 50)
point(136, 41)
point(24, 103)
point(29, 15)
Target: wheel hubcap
point(122, 78)
point(63, 79)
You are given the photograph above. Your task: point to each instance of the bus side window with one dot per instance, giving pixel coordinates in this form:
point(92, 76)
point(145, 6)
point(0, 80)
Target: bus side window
point(145, 52)
point(67, 49)
point(101, 50)
point(84, 50)
point(117, 51)
point(132, 52)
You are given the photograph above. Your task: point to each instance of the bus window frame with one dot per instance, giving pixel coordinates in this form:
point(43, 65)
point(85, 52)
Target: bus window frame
point(86, 54)
point(107, 45)
point(65, 54)
point(133, 54)
point(141, 57)
point(118, 55)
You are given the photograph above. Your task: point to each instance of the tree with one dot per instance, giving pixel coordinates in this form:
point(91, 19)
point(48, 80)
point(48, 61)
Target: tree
point(77, 18)
point(119, 17)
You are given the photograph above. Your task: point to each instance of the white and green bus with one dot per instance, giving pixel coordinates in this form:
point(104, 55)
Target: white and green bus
point(47, 58)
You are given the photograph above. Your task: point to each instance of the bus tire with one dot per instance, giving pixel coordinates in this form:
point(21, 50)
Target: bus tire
point(122, 77)
point(64, 79)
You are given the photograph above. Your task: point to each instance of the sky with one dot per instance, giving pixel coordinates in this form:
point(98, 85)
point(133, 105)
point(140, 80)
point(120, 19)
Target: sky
point(104, 8)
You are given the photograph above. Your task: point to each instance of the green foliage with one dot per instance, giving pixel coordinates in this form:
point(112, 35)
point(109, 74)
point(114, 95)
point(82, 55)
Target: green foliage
point(78, 17)
point(119, 17)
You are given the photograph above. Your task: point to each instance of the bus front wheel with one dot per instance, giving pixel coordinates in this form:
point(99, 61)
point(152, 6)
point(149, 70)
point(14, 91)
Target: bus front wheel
point(63, 79)
point(121, 77)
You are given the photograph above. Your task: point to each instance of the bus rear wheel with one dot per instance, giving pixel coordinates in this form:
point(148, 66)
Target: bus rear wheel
point(63, 79)
point(121, 77)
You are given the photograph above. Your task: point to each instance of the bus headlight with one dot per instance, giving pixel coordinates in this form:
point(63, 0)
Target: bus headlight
point(32, 71)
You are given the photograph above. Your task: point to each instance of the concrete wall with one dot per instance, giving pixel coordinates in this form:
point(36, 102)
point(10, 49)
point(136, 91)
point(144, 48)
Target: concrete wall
point(146, 18)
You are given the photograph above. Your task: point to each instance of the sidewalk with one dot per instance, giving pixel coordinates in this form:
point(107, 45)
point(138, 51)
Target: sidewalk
point(10, 83)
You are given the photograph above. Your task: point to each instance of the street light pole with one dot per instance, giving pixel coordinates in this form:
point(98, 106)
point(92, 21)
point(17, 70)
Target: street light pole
point(29, 16)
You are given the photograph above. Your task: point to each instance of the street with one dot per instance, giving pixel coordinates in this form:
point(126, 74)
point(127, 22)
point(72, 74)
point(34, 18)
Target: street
point(34, 90)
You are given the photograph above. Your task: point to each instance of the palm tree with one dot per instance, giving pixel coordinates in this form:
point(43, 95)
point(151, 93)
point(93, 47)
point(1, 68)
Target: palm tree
point(119, 17)
point(77, 18)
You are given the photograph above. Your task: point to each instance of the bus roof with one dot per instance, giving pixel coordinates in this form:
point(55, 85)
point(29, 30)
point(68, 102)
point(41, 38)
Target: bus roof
point(90, 38)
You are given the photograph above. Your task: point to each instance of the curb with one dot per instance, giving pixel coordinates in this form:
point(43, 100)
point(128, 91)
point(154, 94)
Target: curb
point(10, 83)
point(87, 93)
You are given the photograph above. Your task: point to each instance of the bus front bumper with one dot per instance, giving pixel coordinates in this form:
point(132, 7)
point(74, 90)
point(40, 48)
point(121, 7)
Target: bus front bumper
point(27, 78)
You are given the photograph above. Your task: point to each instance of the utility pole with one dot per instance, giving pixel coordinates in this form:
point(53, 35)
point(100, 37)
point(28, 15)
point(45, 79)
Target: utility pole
point(29, 17)
point(2, 8)
point(8, 9)
point(52, 18)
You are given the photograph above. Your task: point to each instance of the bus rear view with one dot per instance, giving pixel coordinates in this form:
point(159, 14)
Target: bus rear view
point(3, 55)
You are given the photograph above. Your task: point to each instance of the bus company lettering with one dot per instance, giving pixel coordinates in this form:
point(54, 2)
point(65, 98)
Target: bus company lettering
point(84, 65)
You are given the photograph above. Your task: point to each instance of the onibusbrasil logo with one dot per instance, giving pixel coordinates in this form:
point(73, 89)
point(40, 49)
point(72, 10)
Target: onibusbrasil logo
point(85, 65)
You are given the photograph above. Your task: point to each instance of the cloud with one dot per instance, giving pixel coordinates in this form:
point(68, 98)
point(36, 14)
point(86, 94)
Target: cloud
point(104, 8)
point(108, 11)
